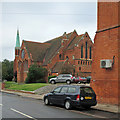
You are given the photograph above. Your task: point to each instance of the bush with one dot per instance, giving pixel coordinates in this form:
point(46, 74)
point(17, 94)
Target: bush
point(51, 77)
point(36, 74)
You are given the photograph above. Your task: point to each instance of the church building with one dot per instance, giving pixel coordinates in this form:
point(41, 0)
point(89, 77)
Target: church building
point(69, 48)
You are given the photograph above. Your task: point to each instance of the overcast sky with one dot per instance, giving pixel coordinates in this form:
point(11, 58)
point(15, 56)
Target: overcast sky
point(38, 21)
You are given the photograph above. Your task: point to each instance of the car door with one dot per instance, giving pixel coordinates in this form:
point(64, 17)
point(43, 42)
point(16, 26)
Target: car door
point(54, 96)
point(59, 78)
point(62, 95)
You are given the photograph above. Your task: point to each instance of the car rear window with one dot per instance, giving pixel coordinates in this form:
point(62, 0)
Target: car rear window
point(86, 90)
point(71, 89)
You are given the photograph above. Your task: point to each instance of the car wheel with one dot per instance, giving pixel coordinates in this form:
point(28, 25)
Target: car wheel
point(52, 82)
point(46, 101)
point(68, 105)
point(68, 82)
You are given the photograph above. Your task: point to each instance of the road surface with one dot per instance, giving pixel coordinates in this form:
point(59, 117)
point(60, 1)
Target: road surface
point(14, 106)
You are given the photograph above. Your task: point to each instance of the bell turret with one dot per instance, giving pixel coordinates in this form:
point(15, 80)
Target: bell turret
point(17, 47)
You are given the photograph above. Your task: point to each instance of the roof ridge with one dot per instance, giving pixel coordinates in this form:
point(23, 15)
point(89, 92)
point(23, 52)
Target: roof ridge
point(34, 42)
point(71, 41)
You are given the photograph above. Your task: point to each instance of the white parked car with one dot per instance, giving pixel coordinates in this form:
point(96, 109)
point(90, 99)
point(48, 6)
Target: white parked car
point(62, 78)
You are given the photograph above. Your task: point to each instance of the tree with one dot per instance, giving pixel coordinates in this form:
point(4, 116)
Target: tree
point(36, 74)
point(7, 70)
point(67, 69)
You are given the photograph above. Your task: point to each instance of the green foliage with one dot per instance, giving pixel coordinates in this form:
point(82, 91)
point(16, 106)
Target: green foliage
point(7, 70)
point(36, 74)
point(51, 77)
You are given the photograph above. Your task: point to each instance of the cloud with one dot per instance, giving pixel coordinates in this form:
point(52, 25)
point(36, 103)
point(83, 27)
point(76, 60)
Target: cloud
point(44, 21)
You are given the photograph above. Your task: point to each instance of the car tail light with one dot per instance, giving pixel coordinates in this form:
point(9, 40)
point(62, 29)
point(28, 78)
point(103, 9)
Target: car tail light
point(78, 97)
point(71, 77)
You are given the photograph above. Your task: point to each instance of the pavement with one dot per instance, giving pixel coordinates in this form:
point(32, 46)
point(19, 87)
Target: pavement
point(102, 107)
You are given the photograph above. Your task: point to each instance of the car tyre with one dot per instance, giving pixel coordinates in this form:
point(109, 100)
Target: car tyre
point(46, 101)
point(68, 105)
point(68, 82)
point(52, 82)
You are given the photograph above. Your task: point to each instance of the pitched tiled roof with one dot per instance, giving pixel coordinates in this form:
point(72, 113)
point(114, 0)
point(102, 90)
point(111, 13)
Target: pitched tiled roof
point(74, 41)
point(55, 45)
point(57, 67)
point(46, 51)
point(36, 49)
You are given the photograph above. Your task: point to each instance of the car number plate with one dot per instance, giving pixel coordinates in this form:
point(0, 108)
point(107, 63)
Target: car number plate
point(88, 97)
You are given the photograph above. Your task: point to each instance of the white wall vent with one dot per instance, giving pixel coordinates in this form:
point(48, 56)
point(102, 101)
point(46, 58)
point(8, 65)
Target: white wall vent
point(106, 63)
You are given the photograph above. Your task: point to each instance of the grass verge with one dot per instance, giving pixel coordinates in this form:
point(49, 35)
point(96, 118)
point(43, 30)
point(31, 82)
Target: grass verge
point(26, 87)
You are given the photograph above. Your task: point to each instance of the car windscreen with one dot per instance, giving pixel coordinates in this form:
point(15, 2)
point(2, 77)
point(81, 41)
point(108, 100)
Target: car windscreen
point(86, 90)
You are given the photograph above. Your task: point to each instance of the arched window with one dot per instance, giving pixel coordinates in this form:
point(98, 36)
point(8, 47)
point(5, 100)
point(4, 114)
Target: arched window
point(23, 54)
point(67, 57)
point(60, 56)
point(90, 53)
point(81, 62)
point(86, 50)
point(82, 51)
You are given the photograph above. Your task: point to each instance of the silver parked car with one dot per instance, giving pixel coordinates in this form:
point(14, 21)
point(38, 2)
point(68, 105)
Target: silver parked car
point(62, 78)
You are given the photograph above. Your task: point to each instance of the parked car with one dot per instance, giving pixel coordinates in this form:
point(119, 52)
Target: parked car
point(62, 78)
point(80, 80)
point(71, 96)
point(88, 79)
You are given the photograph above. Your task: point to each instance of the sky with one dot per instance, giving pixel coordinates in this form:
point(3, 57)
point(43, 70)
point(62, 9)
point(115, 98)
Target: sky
point(42, 21)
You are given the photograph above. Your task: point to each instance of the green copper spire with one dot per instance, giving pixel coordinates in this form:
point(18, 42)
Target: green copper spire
point(17, 39)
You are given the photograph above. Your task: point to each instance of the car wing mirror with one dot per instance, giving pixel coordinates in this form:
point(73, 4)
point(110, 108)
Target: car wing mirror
point(52, 91)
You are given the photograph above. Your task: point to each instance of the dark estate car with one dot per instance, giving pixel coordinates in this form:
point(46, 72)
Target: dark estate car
point(72, 96)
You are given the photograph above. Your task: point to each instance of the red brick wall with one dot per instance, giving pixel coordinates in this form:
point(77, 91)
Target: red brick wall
point(105, 81)
point(107, 14)
point(119, 54)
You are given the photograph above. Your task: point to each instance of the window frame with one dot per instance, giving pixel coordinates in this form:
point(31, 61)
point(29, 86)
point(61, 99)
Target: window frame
point(81, 51)
point(57, 88)
point(90, 50)
point(86, 50)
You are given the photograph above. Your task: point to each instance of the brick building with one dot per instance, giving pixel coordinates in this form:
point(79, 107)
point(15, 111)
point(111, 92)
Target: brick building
point(106, 48)
point(70, 48)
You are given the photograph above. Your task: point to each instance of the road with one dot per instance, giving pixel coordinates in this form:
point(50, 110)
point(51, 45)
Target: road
point(18, 107)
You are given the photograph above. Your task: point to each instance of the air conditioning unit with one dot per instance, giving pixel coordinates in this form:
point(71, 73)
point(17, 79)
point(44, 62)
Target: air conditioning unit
point(106, 63)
